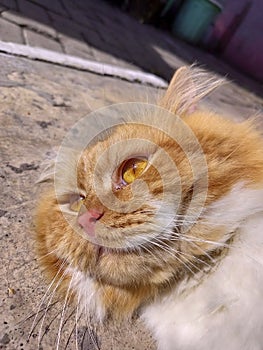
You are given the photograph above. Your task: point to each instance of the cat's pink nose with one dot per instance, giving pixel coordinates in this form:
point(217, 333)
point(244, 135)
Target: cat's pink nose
point(88, 219)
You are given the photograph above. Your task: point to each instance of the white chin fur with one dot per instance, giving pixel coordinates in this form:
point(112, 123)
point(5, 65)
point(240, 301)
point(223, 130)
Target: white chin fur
point(224, 310)
point(88, 297)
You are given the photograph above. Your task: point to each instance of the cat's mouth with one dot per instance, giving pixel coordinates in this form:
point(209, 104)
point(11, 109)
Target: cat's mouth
point(99, 251)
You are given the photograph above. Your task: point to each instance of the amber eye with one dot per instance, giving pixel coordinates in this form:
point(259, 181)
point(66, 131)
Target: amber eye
point(132, 169)
point(76, 202)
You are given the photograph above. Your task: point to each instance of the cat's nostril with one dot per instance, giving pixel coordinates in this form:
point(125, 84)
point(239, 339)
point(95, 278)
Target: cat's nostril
point(88, 220)
point(95, 214)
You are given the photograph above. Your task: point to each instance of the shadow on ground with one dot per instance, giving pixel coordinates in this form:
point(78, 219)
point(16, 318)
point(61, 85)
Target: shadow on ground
point(105, 28)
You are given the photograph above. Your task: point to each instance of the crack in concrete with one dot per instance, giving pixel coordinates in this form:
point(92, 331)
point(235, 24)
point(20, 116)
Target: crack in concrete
point(23, 167)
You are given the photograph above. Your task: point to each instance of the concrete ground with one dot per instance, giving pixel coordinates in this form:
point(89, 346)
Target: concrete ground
point(39, 102)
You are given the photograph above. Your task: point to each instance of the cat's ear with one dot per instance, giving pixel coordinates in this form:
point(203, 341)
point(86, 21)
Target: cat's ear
point(48, 167)
point(187, 87)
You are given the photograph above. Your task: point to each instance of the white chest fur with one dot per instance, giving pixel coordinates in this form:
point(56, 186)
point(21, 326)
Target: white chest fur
point(88, 296)
point(224, 311)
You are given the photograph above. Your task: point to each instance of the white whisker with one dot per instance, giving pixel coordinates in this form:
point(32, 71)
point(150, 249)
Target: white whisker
point(63, 311)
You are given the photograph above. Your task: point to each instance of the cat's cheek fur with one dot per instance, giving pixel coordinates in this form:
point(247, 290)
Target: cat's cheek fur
point(217, 311)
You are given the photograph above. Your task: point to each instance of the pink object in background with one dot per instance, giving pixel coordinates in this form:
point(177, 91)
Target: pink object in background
point(238, 34)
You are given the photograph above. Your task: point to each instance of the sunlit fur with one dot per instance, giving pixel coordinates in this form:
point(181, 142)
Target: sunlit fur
point(153, 267)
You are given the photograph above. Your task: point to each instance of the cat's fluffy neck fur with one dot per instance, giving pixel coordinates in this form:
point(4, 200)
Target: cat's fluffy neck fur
point(223, 311)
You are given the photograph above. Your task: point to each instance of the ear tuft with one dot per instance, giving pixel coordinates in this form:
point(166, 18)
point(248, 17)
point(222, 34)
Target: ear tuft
point(187, 87)
point(48, 167)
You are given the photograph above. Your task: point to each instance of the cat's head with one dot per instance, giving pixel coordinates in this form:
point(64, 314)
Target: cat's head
point(151, 195)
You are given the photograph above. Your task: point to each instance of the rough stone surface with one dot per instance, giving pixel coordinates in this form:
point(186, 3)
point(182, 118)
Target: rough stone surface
point(75, 47)
point(97, 29)
point(10, 32)
point(21, 21)
point(34, 39)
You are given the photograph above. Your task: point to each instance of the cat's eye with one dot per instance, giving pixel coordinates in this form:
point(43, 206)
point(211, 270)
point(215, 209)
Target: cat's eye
point(76, 201)
point(132, 169)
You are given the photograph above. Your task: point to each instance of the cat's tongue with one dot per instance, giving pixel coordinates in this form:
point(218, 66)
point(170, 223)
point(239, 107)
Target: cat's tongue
point(88, 220)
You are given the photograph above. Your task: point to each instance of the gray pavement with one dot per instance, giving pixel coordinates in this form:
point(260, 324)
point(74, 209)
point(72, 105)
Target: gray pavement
point(98, 31)
point(39, 102)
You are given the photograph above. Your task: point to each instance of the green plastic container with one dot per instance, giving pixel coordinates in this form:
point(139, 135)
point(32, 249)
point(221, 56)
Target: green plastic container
point(194, 18)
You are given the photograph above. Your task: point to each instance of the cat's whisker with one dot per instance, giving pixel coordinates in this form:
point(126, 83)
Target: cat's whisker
point(192, 239)
point(204, 252)
point(32, 329)
point(186, 254)
point(223, 245)
point(84, 311)
point(88, 322)
point(47, 327)
point(170, 252)
point(51, 296)
point(67, 296)
point(183, 262)
point(48, 254)
point(33, 315)
point(79, 343)
point(72, 330)
point(42, 301)
point(76, 321)
point(170, 234)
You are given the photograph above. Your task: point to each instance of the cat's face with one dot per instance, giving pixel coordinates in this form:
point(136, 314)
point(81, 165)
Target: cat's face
point(134, 187)
point(141, 204)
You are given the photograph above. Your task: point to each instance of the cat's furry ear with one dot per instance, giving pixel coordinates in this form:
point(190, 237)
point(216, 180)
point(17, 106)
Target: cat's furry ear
point(48, 167)
point(187, 87)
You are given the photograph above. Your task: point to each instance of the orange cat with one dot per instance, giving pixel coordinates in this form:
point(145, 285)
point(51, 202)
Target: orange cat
point(158, 210)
